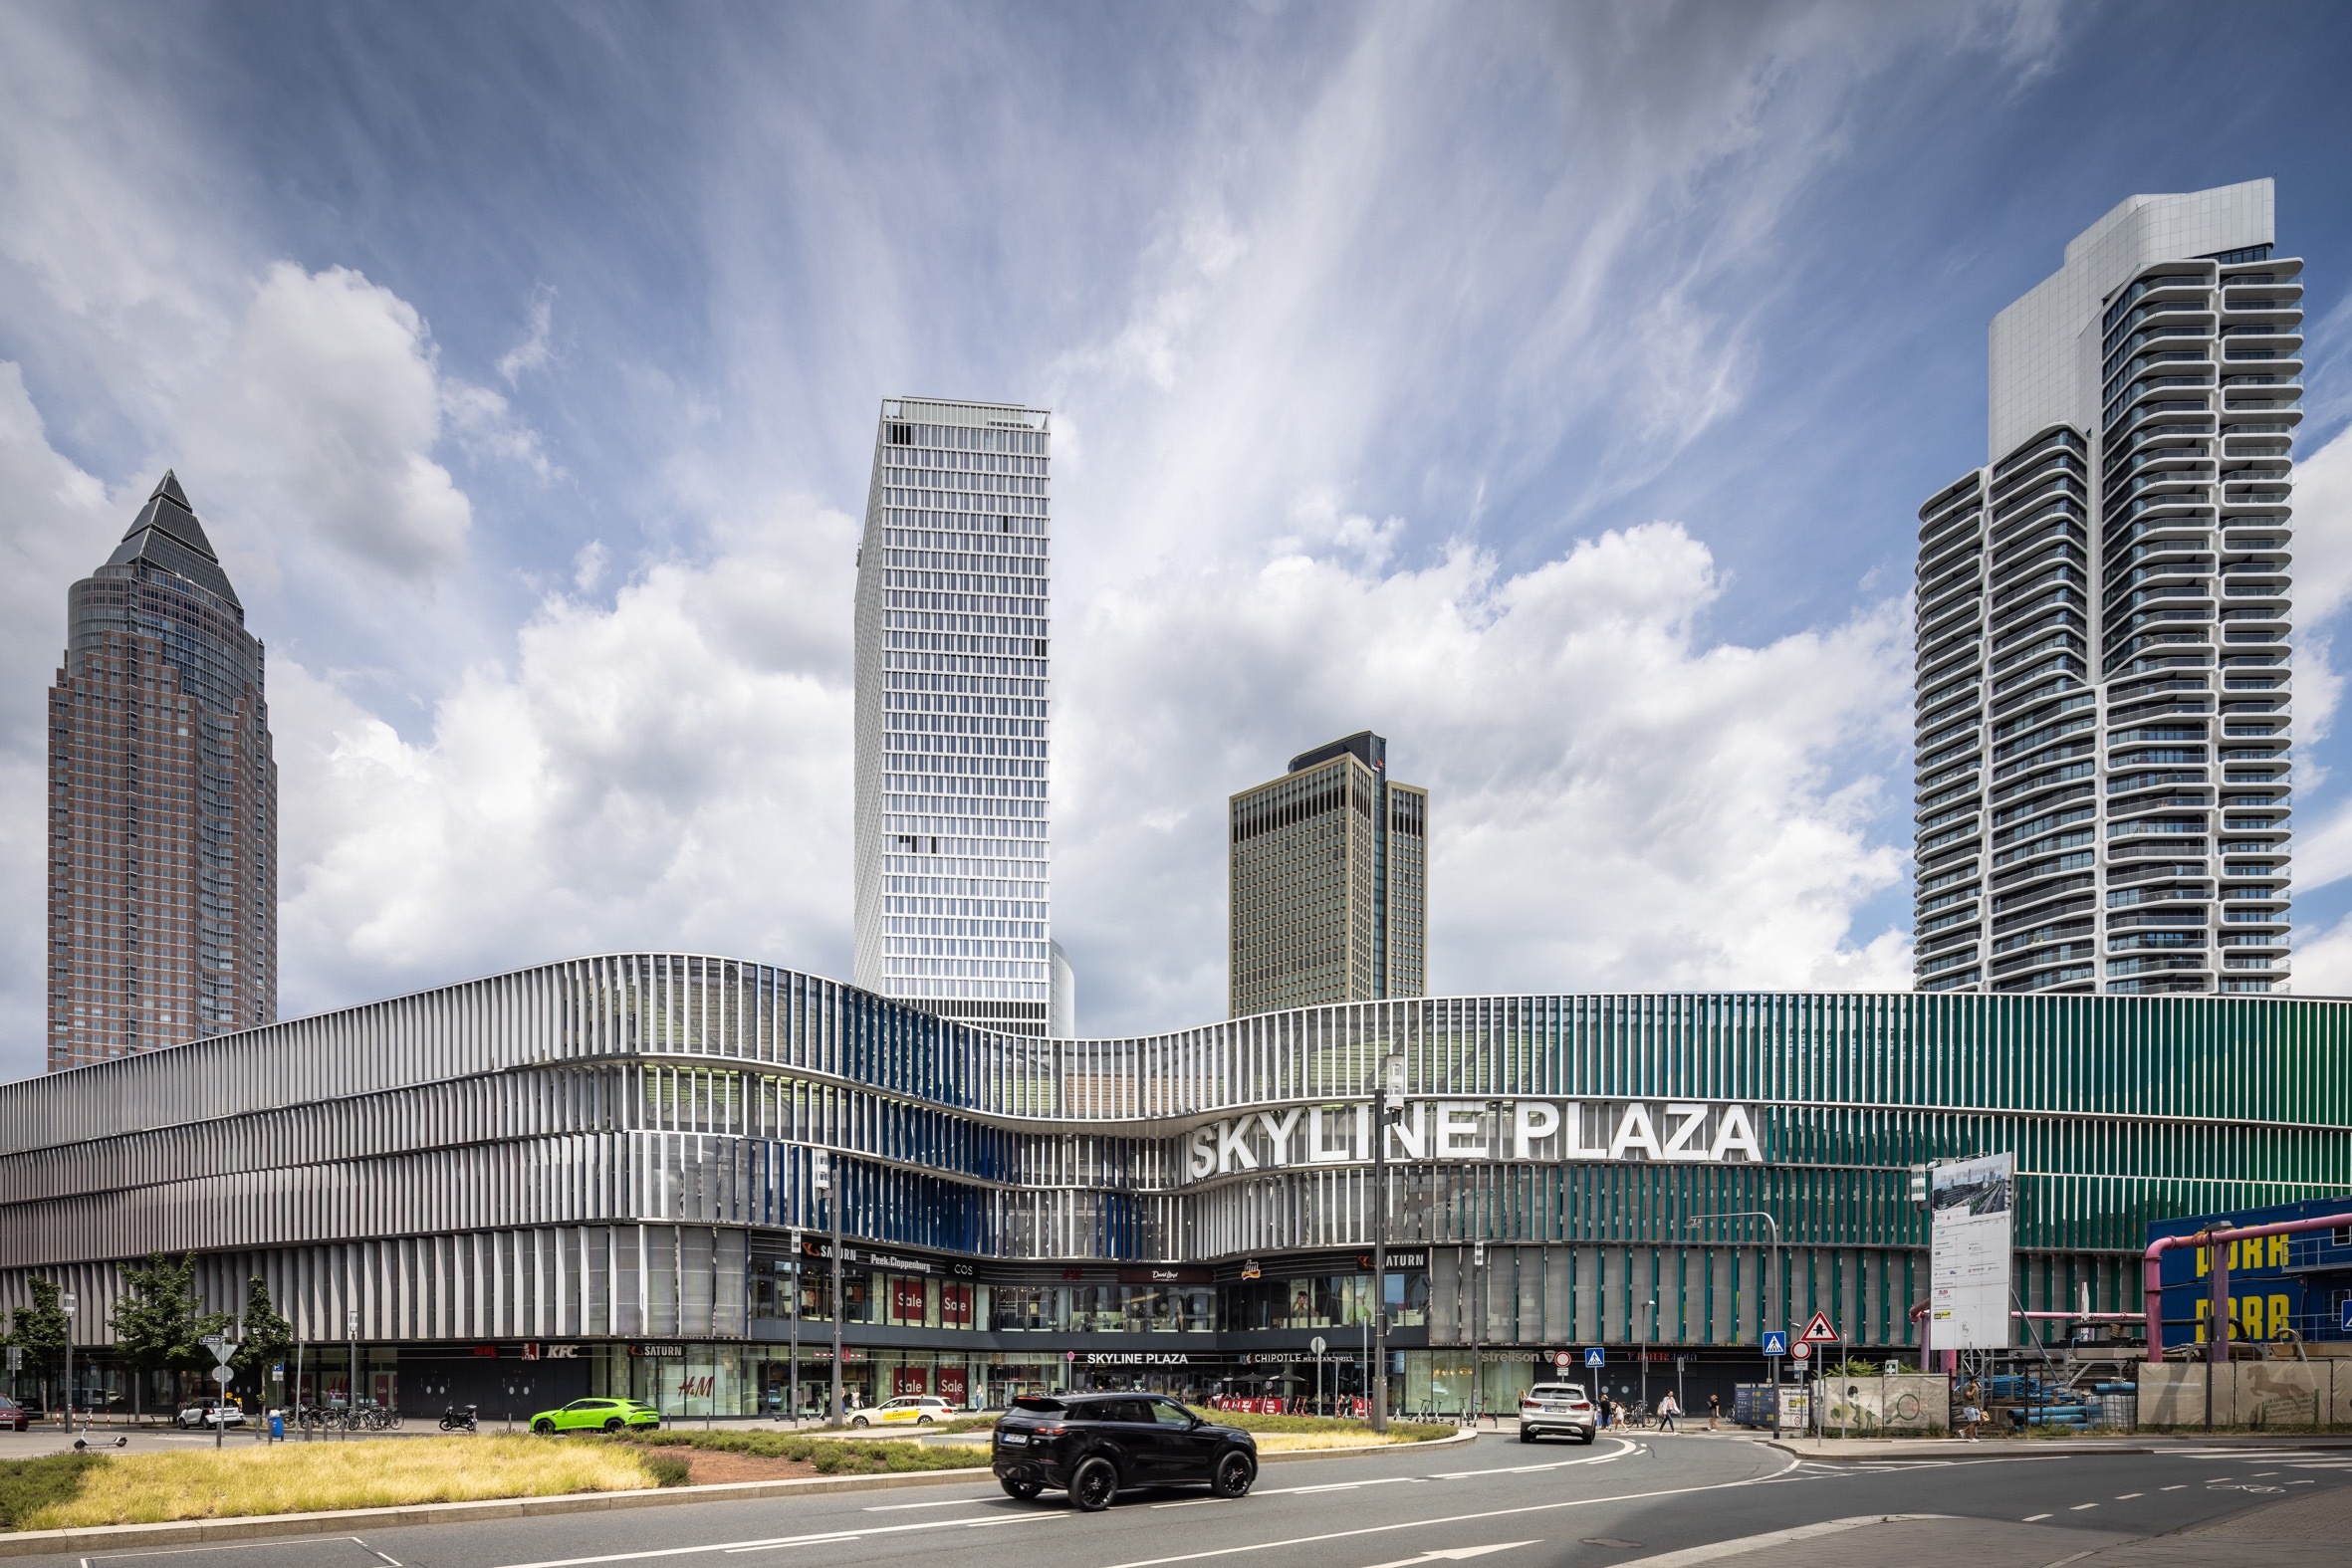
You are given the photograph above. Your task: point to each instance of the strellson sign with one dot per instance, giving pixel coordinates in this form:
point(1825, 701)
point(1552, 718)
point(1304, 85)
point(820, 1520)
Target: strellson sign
point(1700, 1132)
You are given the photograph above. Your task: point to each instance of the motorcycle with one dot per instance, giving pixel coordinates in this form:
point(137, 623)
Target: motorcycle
point(459, 1417)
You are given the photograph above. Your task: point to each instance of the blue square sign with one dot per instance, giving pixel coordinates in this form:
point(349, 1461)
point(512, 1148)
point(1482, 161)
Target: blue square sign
point(1594, 1356)
point(2348, 1314)
point(1776, 1342)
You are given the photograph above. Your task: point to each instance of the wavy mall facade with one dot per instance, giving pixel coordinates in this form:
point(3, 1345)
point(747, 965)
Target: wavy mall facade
point(586, 1178)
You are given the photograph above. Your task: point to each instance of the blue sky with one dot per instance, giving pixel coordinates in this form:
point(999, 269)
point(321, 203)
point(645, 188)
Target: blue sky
point(1551, 388)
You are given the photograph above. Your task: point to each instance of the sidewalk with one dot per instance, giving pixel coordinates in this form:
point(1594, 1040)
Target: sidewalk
point(1874, 1450)
point(2261, 1538)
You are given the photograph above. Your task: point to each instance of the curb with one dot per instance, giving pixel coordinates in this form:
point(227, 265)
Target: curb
point(2004, 1449)
point(180, 1532)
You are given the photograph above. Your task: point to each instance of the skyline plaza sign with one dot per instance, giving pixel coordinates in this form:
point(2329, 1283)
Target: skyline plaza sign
point(1438, 1129)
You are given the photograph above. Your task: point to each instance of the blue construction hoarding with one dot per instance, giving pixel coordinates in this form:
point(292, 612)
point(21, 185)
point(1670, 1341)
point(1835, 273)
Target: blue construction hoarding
point(2281, 1287)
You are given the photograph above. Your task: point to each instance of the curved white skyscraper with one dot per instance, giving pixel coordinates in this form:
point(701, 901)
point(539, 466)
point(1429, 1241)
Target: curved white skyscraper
point(953, 836)
point(2103, 659)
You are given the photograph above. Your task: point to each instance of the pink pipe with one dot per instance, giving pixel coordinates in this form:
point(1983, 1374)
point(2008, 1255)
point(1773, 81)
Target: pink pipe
point(2217, 1331)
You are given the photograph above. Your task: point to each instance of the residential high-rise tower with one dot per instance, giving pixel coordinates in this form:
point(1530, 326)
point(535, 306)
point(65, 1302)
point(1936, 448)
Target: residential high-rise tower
point(953, 831)
point(162, 803)
point(1330, 887)
point(2102, 656)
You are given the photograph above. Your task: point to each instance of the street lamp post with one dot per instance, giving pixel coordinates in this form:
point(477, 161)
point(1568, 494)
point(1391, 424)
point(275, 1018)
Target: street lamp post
point(351, 1329)
point(1641, 1349)
point(1772, 1285)
point(823, 1164)
point(66, 1303)
point(1391, 1080)
point(792, 1388)
point(1478, 1323)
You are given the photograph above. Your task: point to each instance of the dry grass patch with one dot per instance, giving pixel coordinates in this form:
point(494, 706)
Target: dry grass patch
point(304, 1477)
point(1291, 1434)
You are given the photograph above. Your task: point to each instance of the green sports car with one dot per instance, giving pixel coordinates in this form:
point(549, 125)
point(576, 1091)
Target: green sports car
point(596, 1414)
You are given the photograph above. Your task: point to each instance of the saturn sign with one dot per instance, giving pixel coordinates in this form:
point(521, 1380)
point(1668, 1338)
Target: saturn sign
point(1693, 1131)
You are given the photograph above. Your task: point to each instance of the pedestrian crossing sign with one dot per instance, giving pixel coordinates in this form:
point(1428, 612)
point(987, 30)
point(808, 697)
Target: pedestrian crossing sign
point(1776, 1342)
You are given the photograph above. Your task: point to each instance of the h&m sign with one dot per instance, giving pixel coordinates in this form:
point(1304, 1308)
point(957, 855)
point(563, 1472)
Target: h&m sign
point(1694, 1131)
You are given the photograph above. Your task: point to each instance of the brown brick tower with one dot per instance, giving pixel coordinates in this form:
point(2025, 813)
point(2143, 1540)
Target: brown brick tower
point(162, 803)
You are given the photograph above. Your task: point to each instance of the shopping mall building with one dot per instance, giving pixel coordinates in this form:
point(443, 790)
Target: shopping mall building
point(586, 1178)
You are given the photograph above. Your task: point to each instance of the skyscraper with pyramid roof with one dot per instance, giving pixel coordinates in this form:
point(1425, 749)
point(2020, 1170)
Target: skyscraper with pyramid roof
point(162, 803)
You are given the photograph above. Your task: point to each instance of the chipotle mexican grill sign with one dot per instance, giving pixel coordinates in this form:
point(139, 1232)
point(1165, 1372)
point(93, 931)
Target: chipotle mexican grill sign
point(1697, 1132)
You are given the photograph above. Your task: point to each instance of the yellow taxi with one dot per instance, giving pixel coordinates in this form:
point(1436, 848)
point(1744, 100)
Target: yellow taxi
point(907, 1409)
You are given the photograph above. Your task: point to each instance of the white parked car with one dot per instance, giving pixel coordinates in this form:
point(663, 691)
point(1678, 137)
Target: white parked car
point(211, 1415)
point(907, 1409)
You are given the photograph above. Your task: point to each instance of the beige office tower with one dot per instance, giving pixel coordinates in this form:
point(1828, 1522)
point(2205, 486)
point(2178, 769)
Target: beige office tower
point(1330, 883)
point(2104, 683)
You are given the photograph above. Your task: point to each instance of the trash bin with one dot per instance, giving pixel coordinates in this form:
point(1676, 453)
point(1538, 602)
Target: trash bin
point(277, 1426)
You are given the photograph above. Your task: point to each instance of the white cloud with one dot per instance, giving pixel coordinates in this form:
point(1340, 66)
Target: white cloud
point(668, 772)
point(337, 405)
point(535, 351)
point(60, 524)
point(1616, 802)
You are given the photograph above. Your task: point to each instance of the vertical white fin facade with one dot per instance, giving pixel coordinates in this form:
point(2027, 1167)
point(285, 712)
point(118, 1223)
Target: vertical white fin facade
point(954, 844)
point(2102, 667)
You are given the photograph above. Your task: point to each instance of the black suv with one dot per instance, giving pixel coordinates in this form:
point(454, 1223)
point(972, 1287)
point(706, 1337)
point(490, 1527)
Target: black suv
point(1091, 1445)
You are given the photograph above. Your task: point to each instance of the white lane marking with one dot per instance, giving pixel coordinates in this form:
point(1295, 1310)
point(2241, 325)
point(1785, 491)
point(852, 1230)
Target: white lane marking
point(2078, 1507)
point(951, 1502)
point(2126, 1497)
point(1376, 1481)
point(1623, 1449)
point(2184, 1487)
point(1415, 1524)
point(789, 1540)
point(1715, 1550)
point(1453, 1554)
point(2029, 1519)
point(851, 1535)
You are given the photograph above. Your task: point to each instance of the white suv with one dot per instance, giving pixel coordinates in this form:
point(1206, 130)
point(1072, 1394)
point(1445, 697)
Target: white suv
point(1556, 1408)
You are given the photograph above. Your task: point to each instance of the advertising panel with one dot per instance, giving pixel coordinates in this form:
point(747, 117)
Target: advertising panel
point(1969, 1250)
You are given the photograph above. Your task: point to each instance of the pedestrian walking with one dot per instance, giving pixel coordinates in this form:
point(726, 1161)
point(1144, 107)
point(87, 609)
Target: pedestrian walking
point(1668, 1408)
point(1714, 1410)
point(1969, 1416)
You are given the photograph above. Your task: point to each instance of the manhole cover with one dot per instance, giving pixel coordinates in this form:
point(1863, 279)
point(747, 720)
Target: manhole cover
point(1608, 1540)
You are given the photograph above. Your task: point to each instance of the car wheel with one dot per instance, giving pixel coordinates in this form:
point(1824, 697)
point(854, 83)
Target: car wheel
point(857, 1420)
point(543, 1426)
point(613, 1424)
point(1525, 1436)
point(1588, 1437)
point(1026, 1491)
point(1235, 1475)
point(922, 1421)
point(1094, 1485)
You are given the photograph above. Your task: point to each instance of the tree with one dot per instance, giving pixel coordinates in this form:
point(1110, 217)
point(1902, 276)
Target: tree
point(40, 1328)
point(263, 1337)
point(158, 1323)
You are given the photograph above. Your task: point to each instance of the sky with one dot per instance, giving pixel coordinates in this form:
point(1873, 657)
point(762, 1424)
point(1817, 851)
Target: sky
point(1550, 388)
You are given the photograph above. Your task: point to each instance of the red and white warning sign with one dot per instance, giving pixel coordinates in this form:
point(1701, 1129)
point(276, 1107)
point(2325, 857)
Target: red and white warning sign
point(1563, 1359)
point(1801, 1349)
point(1819, 1331)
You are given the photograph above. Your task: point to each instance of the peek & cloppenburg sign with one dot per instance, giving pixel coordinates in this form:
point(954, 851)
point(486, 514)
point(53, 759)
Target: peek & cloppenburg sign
point(1700, 1132)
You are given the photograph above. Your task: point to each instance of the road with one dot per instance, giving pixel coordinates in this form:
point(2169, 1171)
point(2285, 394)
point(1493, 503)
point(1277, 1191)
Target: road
point(1622, 1500)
